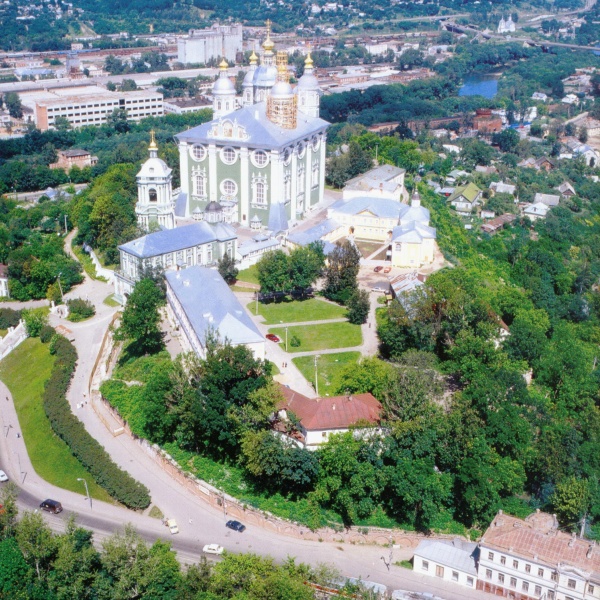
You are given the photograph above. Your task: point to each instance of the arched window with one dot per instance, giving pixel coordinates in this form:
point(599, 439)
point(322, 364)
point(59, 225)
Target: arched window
point(199, 185)
point(152, 195)
point(259, 193)
point(218, 105)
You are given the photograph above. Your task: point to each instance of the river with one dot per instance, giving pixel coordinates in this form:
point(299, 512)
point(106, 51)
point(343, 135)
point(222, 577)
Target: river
point(483, 84)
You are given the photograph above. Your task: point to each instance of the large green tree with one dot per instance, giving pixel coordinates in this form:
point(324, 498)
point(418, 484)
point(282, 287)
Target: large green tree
point(343, 264)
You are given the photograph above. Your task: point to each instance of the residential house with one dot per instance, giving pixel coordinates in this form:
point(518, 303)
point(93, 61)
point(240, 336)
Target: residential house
point(566, 189)
point(491, 170)
point(498, 223)
point(523, 559)
point(465, 199)
point(201, 243)
point(498, 187)
point(536, 211)
point(448, 560)
point(200, 304)
point(406, 283)
point(319, 418)
point(538, 163)
point(539, 96)
point(547, 199)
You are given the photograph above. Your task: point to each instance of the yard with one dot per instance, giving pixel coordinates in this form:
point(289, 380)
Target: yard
point(249, 275)
point(24, 371)
point(329, 368)
point(296, 311)
point(367, 248)
point(320, 337)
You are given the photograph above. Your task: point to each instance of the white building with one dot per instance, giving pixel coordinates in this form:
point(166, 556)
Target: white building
point(448, 560)
point(4, 292)
point(200, 305)
point(531, 559)
point(506, 25)
point(385, 181)
point(203, 45)
point(536, 211)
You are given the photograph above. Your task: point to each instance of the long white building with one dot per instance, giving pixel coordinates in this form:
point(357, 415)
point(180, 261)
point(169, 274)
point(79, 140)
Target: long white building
point(203, 44)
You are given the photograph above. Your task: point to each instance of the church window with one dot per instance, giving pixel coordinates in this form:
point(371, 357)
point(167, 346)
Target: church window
point(198, 152)
point(260, 158)
point(152, 195)
point(260, 196)
point(228, 155)
point(228, 187)
point(209, 254)
point(218, 105)
point(199, 185)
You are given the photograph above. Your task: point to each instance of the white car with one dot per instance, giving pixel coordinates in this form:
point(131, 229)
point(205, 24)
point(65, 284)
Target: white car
point(213, 549)
point(172, 525)
point(3, 476)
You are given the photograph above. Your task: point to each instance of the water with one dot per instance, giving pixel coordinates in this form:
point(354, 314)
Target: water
point(485, 84)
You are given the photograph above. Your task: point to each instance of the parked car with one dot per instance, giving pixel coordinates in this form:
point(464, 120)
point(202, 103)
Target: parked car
point(387, 269)
point(52, 506)
point(213, 549)
point(378, 269)
point(3, 476)
point(273, 337)
point(235, 525)
point(172, 525)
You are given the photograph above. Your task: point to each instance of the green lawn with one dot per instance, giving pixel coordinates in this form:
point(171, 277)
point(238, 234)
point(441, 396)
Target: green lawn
point(329, 368)
point(249, 275)
point(110, 301)
point(24, 371)
point(321, 337)
point(295, 311)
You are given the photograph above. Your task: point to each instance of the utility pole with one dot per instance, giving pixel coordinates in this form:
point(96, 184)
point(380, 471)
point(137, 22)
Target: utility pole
point(86, 490)
point(316, 375)
point(66, 230)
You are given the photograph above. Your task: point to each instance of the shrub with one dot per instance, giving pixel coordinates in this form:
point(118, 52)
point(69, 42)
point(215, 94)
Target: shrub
point(295, 341)
point(9, 318)
point(119, 484)
point(79, 309)
point(46, 334)
point(35, 319)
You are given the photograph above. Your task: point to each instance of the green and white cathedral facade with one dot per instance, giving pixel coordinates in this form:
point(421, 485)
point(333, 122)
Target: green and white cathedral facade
point(263, 162)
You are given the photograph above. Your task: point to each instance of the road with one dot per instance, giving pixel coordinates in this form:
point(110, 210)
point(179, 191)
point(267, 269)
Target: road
point(198, 523)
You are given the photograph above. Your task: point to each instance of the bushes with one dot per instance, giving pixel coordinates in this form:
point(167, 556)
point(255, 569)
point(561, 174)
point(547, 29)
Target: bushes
point(119, 484)
point(35, 319)
point(46, 334)
point(9, 318)
point(79, 310)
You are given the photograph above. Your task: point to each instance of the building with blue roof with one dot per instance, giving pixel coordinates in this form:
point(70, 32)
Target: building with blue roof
point(202, 243)
point(199, 315)
point(265, 161)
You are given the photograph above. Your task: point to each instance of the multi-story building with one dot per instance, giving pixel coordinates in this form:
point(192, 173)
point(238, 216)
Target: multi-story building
point(88, 109)
point(265, 162)
point(204, 44)
point(531, 559)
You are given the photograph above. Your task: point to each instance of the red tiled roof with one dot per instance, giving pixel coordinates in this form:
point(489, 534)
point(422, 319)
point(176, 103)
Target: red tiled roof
point(336, 412)
point(538, 538)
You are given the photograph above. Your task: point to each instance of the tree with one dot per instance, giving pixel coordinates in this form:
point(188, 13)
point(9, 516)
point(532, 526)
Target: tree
point(273, 272)
point(341, 272)
point(306, 265)
point(570, 501)
point(36, 542)
point(358, 307)
point(583, 135)
point(35, 319)
point(140, 321)
point(227, 269)
point(117, 119)
point(14, 571)
point(13, 104)
point(128, 85)
point(8, 516)
point(507, 140)
point(410, 59)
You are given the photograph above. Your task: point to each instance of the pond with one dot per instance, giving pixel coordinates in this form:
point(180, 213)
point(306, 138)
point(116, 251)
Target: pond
point(482, 84)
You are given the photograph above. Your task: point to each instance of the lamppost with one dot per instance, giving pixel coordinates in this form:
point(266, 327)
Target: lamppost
point(286, 336)
point(8, 428)
point(317, 356)
point(86, 490)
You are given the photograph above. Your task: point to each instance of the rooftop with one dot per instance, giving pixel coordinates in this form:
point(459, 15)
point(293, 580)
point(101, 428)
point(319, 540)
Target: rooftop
point(456, 554)
point(469, 192)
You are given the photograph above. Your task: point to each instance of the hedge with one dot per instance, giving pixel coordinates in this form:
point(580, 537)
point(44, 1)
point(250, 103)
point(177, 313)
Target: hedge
point(119, 484)
point(9, 318)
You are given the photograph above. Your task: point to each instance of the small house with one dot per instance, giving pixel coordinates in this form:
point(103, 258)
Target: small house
point(465, 199)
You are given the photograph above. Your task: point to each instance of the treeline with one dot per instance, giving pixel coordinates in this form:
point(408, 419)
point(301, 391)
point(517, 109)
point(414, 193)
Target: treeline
point(119, 484)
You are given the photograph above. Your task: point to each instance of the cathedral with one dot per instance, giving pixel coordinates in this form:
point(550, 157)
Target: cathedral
point(261, 160)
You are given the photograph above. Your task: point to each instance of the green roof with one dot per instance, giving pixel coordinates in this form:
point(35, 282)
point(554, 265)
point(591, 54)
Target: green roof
point(469, 192)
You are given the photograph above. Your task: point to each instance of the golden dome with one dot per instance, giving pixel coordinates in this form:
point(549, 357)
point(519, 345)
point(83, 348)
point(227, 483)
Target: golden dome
point(268, 44)
point(153, 145)
point(224, 65)
point(253, 58)
point(308, 63)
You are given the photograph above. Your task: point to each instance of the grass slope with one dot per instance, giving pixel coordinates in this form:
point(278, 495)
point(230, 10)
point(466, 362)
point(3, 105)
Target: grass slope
point(24, 371)
point(296, 311)
point(320, 337)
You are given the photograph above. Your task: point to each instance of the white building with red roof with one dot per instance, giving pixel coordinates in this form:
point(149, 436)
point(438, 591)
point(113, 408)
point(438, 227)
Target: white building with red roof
point(316, 419)
point(532, 559)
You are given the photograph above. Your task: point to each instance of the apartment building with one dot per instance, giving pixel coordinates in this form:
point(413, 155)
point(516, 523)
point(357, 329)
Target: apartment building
point(530, 559)
point(93, 109)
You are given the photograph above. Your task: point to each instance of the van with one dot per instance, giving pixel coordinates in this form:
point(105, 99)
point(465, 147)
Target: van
point(51, 506)
point(172, 525)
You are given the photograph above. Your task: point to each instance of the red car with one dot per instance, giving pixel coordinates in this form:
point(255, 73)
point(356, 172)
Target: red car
point(387, 269)
point(378, 269)
point(273, 337)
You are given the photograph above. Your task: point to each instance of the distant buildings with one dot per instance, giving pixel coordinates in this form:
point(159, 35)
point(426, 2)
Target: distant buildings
point(506, 25)
point(202, 45)
point(74, 158)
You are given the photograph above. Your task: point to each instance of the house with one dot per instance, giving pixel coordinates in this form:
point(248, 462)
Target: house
point(485, 122)
point(498, 187)
point(486, 170)
point(590, 156)
point(540, 96)
point(532, 558)
point(547, 199)
point(540, 163)
point(449, 560)
point(498, 223)
point(406, 283)
point(385, 181)
point(250, 252)
point(536, 211)
point(200, 305)
point(566, 189)
point(201, 243)
point(319, 418)
point(4, 291)
point(465, 199)
point(487, 214)
point(74, 158)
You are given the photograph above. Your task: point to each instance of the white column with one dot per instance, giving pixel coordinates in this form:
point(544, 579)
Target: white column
point(322, 168)
point(276, 182)
point(184, 167)
point(307, 179)
point(294, 176)
point(244, 215)
point(213, 184)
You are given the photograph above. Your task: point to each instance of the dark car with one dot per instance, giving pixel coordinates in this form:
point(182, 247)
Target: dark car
point(52, 506)
point(235, 525)
point(378, 269)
